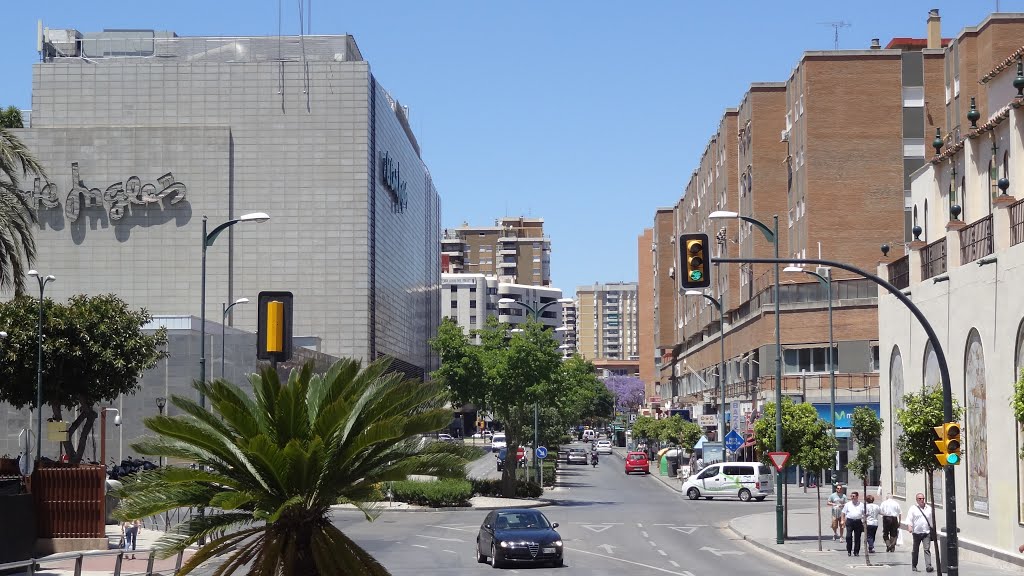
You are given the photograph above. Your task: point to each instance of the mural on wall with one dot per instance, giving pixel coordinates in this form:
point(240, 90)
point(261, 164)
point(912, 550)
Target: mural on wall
point(977, 435)
point(896, 388)
point(933, 379)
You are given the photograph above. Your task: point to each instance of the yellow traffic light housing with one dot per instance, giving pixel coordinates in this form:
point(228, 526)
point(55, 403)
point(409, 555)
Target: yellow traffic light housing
point(693, 253)
point(949, 444)
point(274, 326)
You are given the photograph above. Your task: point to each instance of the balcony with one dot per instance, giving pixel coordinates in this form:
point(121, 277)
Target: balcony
point(506, 264)
point(899, 273)
point(1016, 222)
point(975, 240)
point(933, 259)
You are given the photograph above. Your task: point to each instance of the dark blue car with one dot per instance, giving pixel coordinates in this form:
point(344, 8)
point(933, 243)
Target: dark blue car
point(518, 535)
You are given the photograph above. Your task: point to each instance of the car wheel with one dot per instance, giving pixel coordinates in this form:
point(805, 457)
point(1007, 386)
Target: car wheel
point(495, 563)
point(745, 495)
point(709, 497)
point(480, 557)
point(693, 494)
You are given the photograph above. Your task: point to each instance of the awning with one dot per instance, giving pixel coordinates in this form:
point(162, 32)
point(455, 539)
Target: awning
point(700, 443)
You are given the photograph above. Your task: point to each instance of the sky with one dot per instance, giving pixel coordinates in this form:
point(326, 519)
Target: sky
point(589, 114)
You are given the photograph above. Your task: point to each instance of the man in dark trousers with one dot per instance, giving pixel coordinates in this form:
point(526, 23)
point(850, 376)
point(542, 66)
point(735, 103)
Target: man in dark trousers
point(890, 510)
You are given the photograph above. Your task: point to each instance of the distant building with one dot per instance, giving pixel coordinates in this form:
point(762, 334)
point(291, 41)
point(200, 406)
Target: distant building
point(514, 250)
point(470, 299)
point(606, 323)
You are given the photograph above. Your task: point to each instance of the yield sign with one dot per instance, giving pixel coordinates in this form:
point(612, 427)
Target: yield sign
point(779, 459)
point(684, 529)
point(597, 527)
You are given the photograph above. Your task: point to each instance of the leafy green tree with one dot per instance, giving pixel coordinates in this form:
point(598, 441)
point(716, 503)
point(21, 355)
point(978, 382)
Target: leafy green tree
point(17, 216)
point(818, 452)
point(10, 117)
point(94, 350)
point(689, 435)
point(506, 374)
point(798, 420)
point(867, 431)
point(646, 428)
point(277, 460)
point(921, 413)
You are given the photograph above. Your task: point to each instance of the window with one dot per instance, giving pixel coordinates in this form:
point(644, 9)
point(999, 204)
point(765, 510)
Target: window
point(739, 470)
point(472, 319)
point(472, 303)
point(455, 304)
point(993, 181)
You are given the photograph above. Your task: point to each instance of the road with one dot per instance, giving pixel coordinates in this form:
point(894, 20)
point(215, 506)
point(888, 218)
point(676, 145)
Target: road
point(611, 524)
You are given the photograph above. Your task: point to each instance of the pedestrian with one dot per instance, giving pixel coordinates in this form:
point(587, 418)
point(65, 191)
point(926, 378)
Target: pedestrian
point(853, 520)
point(130, 531)
point(891, 515)
point(836, 501)
point(871, 521)
point(919, 525)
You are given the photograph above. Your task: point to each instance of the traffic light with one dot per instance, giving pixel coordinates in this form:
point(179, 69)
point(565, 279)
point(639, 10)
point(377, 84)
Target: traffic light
point(693, 252)
point(274, 328)
point(949, 444)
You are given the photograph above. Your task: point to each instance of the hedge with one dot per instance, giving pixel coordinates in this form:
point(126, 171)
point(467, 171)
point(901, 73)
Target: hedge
point(435, 494)
point(492, 487)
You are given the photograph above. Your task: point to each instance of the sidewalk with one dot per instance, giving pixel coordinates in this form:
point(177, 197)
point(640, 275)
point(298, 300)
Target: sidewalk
point(802, 547)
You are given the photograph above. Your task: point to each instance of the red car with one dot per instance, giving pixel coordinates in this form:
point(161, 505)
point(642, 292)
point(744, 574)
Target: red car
point(637, 462)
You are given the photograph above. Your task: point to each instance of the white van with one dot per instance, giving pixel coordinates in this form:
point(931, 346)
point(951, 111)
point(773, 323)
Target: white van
point(498, 442)
point(589, 434)
point(743, 480)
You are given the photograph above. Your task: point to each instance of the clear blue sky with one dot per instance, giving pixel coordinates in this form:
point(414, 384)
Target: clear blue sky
point(590, 114)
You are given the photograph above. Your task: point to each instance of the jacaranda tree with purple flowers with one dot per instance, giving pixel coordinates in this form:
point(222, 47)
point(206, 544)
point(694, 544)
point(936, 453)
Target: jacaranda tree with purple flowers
point(628, 391)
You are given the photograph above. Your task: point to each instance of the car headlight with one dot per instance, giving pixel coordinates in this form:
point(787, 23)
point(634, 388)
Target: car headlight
point(557, 543)
point(503, 544)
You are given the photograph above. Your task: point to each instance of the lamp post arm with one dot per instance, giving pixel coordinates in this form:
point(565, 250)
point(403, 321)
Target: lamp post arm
point(212, 236)
point(714, 301)
point(819, 277)
point(952, 538)
point(768, 234)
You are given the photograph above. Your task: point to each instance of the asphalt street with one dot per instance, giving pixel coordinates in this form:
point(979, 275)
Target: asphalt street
point(611, 524)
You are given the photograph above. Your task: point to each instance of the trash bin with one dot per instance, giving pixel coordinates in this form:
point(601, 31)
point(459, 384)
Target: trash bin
point(620, 438)
point(673, 462)
point(663, 466)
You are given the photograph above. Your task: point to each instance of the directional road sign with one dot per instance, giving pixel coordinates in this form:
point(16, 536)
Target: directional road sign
point(733, 441)
point(779, 459)
point(542, 452)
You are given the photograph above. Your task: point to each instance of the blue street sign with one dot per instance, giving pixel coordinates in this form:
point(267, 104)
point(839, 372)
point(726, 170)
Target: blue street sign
point(542, 452)
point(733, 441)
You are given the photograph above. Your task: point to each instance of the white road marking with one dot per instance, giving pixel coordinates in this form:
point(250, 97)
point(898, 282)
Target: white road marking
point(684, 529)
point(639, 525)
point(662, 552)
point(608, 548)
point(452, 551)
point(597, 527)
point(442, 539)
point(644, 534)
point(449, 528)
point(420, 546)
point(659, 569)
point(674, 563)
point(651, 542)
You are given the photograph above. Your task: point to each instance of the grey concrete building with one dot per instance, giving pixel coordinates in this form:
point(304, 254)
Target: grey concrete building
point(144, 133)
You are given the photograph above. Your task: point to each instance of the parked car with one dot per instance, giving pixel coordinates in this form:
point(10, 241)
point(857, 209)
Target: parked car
point(743, 480)
point(637, 462)
point(498, 442)
point(603, 447)
point(445, 438)
point(514, 535)
point(577, 456)
point(483, 434)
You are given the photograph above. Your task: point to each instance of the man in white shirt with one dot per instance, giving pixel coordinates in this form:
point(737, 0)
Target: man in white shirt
point(853, 520)
point(891, 513)
point(919, 524)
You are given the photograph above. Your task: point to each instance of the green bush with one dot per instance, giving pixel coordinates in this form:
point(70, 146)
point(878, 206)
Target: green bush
point(565, 439)
point(435, 494)
point(492, 488)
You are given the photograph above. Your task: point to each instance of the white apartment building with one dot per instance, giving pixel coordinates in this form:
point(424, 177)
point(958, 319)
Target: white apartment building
point(471, 298)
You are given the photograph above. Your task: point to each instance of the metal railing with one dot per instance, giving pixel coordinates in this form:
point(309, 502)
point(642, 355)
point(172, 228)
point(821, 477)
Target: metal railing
point(31, 565)
point(1017, 222)
point(933, 259)
point(976, 240)
point(899, 272)
point(814, 382)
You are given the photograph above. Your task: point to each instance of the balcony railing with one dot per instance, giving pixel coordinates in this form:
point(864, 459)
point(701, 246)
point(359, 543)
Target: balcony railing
point(933, 259)
point(1017, 222)
point(899, 273)
point(976, 240)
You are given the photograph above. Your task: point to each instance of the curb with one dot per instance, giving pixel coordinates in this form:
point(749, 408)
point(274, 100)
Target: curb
point(780, 553)
point(531, 504)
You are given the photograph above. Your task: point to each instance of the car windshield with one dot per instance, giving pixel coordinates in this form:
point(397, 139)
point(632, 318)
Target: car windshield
point(524, 520)
point(575, 450)
point(637, 457)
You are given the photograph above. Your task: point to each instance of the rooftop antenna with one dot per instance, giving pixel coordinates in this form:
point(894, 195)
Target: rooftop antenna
point(836, 25)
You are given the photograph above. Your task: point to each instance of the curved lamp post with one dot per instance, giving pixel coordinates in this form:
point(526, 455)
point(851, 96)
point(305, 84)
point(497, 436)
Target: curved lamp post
point(225, 308)
point(721, 363)
point(535, 313)
point(826, 282)
point(208, 239)
point(772, 235)
point(43, 281)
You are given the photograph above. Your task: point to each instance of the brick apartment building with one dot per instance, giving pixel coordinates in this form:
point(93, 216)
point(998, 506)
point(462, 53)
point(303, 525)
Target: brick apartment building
point(515, 250)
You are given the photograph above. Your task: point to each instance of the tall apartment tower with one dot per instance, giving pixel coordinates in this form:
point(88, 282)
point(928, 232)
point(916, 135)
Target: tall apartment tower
point(515, 250)
point(607, 327)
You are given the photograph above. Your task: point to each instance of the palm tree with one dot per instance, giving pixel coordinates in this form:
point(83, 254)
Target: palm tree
point(275, 463)
point(17, 217)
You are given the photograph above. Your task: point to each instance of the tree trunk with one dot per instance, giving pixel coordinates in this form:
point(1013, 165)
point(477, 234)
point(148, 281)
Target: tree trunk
point(86, 416)
point(508, 472)
point(935, 528)
point(818, 484)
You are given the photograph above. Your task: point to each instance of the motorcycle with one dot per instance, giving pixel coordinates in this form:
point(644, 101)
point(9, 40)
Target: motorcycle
point(593, 459)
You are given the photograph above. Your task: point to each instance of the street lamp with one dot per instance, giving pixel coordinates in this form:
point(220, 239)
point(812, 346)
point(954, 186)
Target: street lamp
point(826, 281)
point(772, 235)
point(208, 240)
point(43, 281)
point(535, 313)
point(225, 308)
point(721, 362)
point(103, 430)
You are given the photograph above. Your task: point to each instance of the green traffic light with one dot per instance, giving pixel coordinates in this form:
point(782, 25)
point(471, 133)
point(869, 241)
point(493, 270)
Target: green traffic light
point(953, 459)
point(696, 275)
